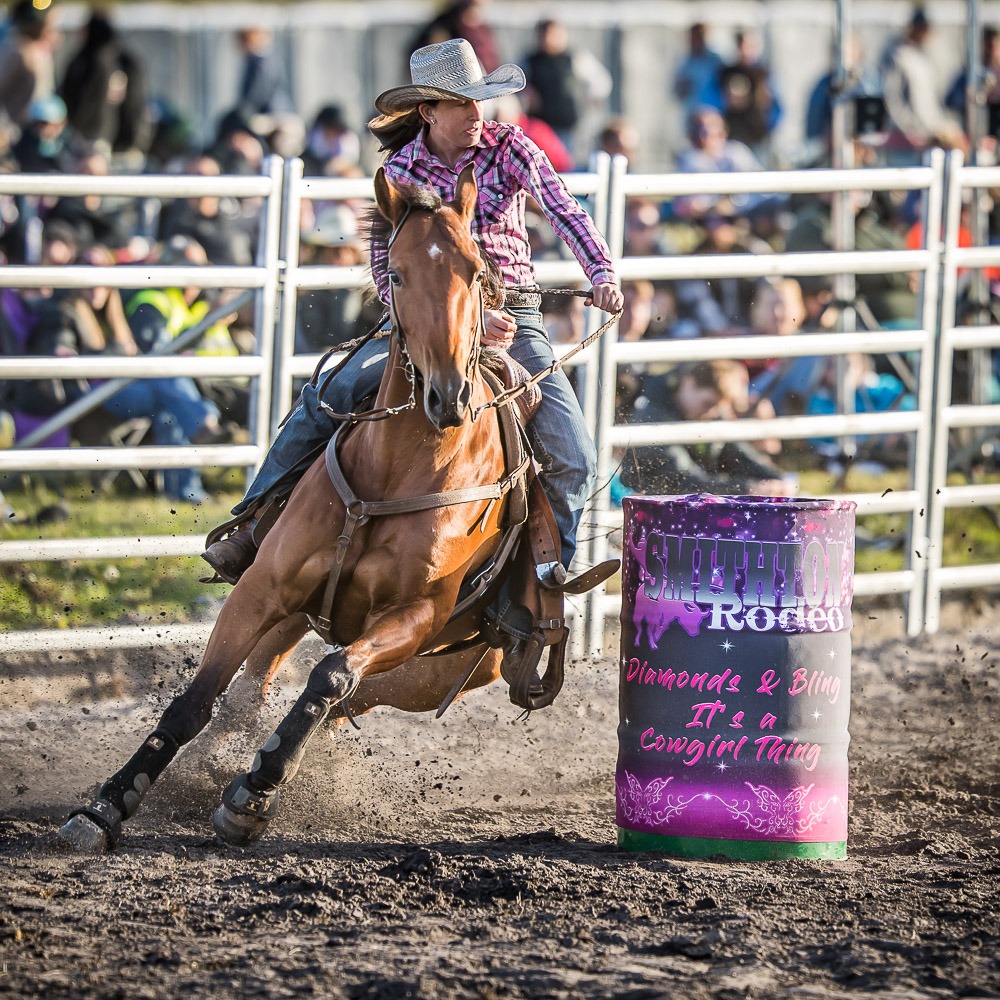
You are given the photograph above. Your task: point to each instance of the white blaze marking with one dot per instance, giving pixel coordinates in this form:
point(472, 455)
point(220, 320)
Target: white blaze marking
point(433, 251)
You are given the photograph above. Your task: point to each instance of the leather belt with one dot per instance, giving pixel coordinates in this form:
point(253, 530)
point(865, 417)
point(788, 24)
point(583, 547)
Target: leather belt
point(522, 298)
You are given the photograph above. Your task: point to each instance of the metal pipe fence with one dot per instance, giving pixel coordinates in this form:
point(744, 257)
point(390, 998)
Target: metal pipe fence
point(278, 277)
point(979, 415)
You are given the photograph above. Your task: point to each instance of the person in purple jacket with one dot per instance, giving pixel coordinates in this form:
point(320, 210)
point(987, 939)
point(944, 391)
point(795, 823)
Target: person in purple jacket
point(430, 130)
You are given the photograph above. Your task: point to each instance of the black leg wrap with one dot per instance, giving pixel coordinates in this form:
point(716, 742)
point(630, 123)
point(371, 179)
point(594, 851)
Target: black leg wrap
point(120, 796)
point(183, 720)
point(278, 759)
point(125, 790)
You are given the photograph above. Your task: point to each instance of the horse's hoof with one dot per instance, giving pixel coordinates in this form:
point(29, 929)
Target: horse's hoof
point(237, 829)
point(82, 834)
point(244, 813)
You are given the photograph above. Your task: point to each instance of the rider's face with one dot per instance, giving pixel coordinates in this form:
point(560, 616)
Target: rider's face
point(454, 124)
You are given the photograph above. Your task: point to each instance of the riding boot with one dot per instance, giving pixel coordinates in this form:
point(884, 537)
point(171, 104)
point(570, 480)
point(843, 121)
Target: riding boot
point(231, 557)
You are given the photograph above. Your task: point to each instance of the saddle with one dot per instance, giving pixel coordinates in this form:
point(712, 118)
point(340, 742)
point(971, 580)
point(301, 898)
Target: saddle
point(517, 594)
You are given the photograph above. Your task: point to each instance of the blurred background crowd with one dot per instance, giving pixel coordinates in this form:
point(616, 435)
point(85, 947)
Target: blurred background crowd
point(84, 101)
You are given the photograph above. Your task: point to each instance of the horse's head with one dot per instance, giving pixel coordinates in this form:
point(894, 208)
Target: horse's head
point(436, 273)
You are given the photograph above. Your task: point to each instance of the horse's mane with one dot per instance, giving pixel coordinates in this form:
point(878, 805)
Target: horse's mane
point(426, 199)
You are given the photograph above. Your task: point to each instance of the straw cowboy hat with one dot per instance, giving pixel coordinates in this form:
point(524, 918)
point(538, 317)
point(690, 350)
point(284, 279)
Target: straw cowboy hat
point(450, 71)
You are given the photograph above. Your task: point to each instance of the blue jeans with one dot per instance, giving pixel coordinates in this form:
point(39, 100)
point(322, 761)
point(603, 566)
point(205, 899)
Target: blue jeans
point(559, 435)
point(178, 412)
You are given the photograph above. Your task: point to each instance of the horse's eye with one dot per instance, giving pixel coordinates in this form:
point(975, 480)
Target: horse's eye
point(395, 278)
point(478, 278)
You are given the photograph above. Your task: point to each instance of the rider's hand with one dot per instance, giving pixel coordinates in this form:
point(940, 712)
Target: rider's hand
point(606, 296)
point(500, 329)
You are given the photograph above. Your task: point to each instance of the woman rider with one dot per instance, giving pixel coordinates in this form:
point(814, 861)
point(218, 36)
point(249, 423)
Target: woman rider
point(430, 130)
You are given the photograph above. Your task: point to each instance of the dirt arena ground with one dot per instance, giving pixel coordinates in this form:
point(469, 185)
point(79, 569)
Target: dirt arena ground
point(476, 857)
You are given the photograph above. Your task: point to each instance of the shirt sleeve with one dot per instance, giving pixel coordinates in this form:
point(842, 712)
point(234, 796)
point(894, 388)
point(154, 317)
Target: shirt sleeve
point(531, 168)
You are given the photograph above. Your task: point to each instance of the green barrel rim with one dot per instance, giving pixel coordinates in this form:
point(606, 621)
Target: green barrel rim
point(746, 850)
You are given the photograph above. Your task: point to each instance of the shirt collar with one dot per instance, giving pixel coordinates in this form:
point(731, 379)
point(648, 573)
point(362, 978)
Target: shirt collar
point(417, 149)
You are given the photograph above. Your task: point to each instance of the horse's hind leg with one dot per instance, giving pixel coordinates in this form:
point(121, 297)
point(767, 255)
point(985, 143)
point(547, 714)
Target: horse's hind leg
point(246, 695)
point(422, 684)
point(245, 618)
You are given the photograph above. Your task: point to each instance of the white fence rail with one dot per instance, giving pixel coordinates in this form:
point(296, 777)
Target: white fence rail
point(277, 278)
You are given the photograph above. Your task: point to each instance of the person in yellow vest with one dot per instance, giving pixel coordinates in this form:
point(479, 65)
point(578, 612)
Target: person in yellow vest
point(157, 315)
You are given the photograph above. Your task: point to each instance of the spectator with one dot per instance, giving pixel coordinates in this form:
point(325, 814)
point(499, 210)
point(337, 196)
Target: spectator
point(711, 151)
point(564, 320)
point(634, 325)
point(462, 19)
point(918, 119)
point(509, 109)
point(60, 244)
point(988, 83)
point(619, 137)
point(777, 310)
point(709, 390)
point(237, 148)
point(214, 222)
point(721, 306)
point(748, 100)
point(561, 80)
point(263, 86)
point(860, 85)
point(646, 236)
point(158, 315)
point(790, 383)
point(326, 317)
point(696, 82)
point(94, 219)
point(105, 90)
point(173, 136)
point(178, 413)
point(27, 70)
point(889, 297)
point(332, 146)
point(29, 402)
point(44, 144)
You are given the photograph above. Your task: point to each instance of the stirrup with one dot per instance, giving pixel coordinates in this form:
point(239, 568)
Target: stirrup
point(527, 689)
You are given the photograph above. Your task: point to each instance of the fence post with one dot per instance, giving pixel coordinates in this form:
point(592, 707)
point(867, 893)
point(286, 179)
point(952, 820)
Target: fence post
point(607, 379)
point(923, 444)
point(943, 361)
point(284, 347)
point(265, 308)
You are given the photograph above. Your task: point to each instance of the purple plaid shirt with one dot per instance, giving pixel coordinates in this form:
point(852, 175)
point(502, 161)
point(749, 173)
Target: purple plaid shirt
point(508, 165)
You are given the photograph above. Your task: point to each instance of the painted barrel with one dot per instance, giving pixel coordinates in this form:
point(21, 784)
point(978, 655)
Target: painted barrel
point(734, 694)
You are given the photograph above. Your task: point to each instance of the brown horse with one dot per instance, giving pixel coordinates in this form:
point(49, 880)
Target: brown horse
point(399, 574)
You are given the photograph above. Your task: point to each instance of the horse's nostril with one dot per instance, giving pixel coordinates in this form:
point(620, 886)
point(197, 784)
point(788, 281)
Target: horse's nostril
point(465, 396)
point(433, 399)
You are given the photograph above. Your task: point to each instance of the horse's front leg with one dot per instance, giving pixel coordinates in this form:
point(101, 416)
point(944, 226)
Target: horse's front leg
point(250, 801)
point(247, 615)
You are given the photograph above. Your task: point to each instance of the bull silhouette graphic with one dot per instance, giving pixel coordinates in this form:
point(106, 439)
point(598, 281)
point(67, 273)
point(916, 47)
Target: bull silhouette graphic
point(657, 616)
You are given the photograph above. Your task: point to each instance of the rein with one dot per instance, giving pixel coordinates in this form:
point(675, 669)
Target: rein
point(378, 332)
point(508, 395)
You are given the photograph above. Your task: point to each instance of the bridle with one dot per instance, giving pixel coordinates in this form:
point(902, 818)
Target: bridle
point(396, 328)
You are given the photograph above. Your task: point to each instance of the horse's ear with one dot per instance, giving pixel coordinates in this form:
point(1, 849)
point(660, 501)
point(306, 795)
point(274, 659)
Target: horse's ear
point(466, 194)
point(388, 200)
